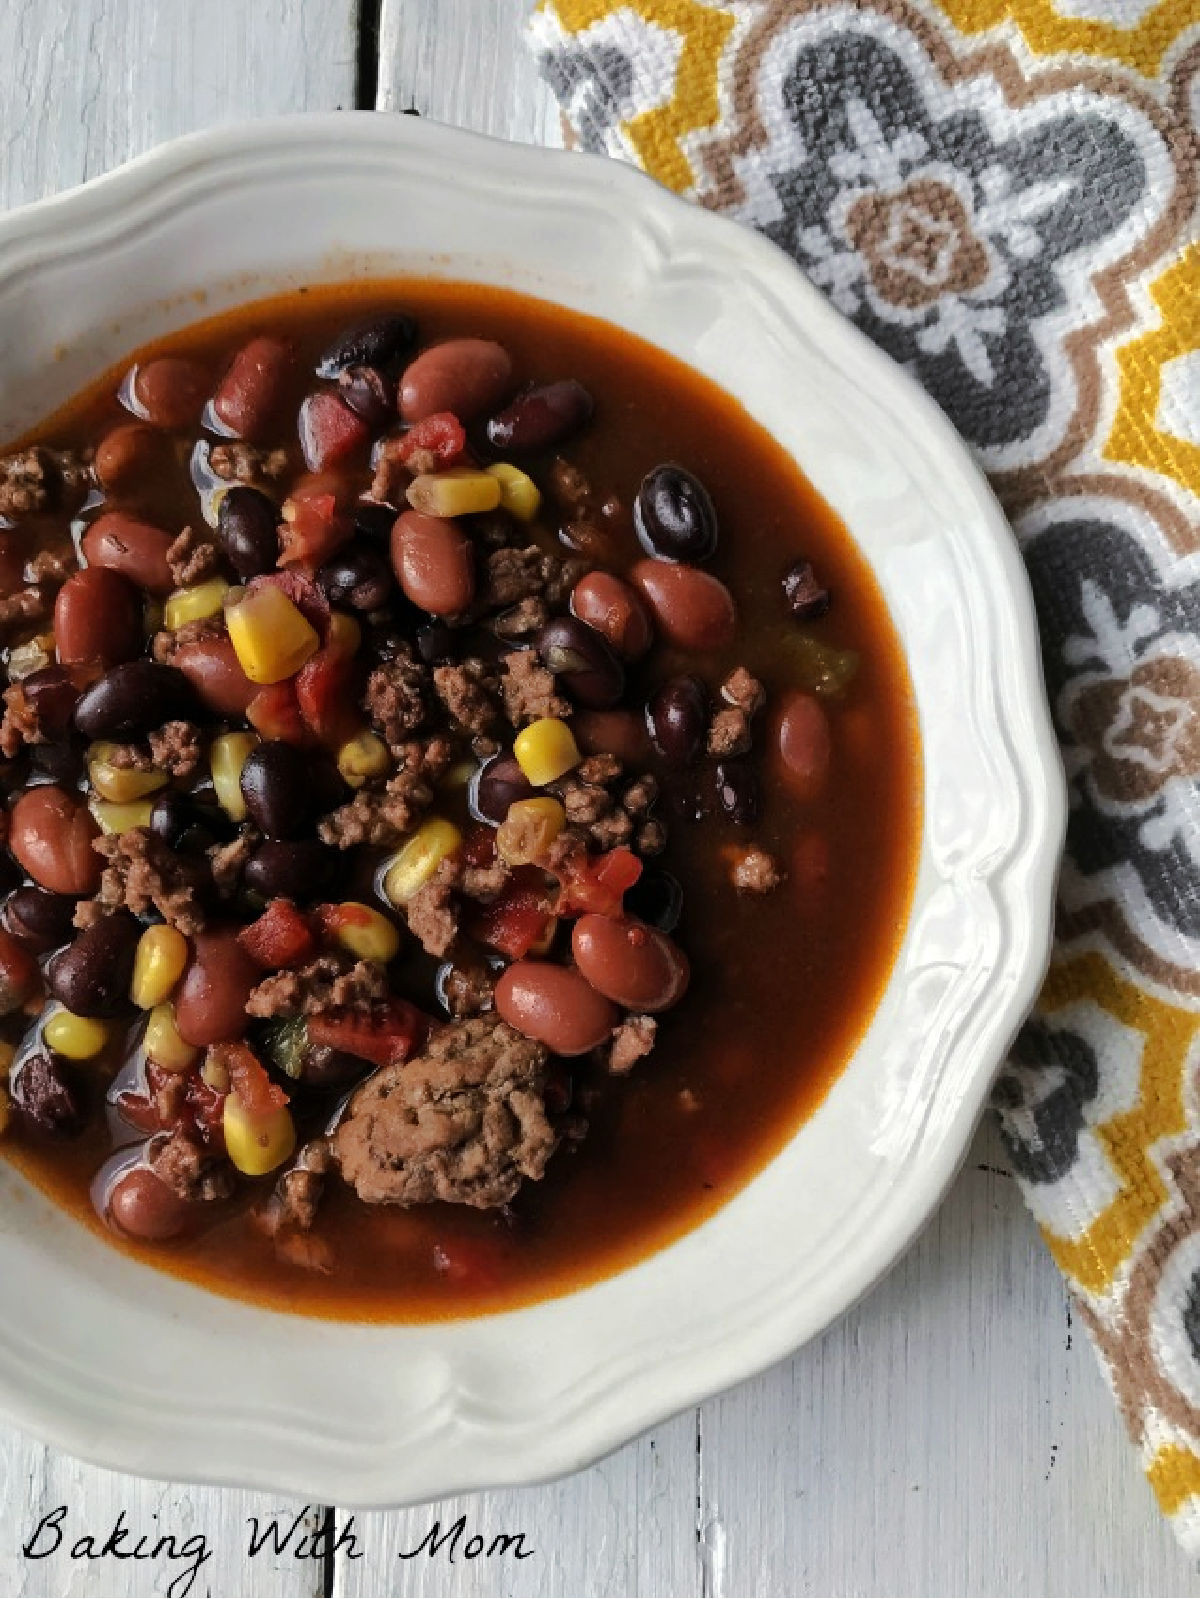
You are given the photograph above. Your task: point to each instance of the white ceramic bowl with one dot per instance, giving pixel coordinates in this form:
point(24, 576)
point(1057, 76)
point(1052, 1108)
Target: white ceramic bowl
point(112, 1360)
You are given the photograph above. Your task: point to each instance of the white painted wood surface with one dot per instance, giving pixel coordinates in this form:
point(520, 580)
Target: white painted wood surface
point(951, 1435)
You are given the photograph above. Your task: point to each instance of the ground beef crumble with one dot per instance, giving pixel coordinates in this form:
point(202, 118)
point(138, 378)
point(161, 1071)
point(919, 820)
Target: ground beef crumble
point(632, 1040)
point(464, 1123)
point(143, 874)
point(192, 558)
point(522, 619)
point(166, 645)
point(609, 817)
point(529, 690)
point(175, 748)
point(468, 989)
point(397, 697)
point(188, 1168)
point(298, 1192)
point(756, 872)
point(226, 862)
point(433, 913)
point(23, 483)
point(745, 692)
point(468, 691)
point(236, 462)
point(26, 605)
point(331, 982)
point(20, 725)
point(382, 816)
point(729, 733)
point(52, 566)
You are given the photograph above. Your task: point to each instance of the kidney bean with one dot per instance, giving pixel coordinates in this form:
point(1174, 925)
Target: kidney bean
point(187, 825)
point(53, 696)
point(465, 376)
point(434, 563)
point(555, 1005)
point(300, 869)
point(807, 597)
point(620, 733)
point(42, 921)
point(582, 660)
point(20, 977)
point(247, 531)
point(739, 792)
point(169, 391)
point(47, 1094)
point(127, 455)
point(212, 668)
point(359, 576)
point(12, 563)
point(673, 516)
point(541, 416)
point(656, 898)
point(51, 835)
point(635, 965)
point(384, 343)
point(277, 789)
point(618, 612)
point(805, 744)
point(368, 394)
point(97, 617)
point(250, 396)
point(210, 1002)
point(694, 610)
point(495, 787)
point(677, 717)
point(133, 698)
point(137, 550)
point(91, 976)
point(142, 1206)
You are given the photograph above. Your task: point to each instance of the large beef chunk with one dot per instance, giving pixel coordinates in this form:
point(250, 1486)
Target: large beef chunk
point(465, 1122)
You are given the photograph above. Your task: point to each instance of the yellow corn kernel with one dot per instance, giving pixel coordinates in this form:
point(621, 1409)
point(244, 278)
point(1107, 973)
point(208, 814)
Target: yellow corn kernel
point(519, 494)
point(162, 1042)
point(5, 1111)
point(215, 1072)
point(226, 758)
point(76, 1037)
point(419, 857)
point(117, 818)
point(545, 750)
point(195, 603)
point(362, 757)
point(459, 492)
point(344, 632)
point(7, 1055)
point(257, 1144)
point(365, 933)
point(270, 636)
point(529, 829)
point(162, 953)
point(120, 784)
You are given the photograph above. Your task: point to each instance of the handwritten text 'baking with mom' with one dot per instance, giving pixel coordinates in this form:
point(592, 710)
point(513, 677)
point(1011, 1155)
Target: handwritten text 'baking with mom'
point(308, 1535)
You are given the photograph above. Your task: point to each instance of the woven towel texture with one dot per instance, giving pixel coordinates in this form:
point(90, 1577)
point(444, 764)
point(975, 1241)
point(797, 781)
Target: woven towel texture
point(1003, 195)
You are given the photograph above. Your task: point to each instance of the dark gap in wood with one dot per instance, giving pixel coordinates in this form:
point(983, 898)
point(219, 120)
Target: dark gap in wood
point(328, 1558)
point(366, 73)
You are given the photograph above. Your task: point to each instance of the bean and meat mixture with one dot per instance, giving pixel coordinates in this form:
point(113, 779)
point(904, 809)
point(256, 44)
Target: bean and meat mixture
point(460, 797)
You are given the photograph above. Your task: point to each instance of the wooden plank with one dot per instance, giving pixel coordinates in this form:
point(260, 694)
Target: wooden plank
point(87, 84)
point(464, 62)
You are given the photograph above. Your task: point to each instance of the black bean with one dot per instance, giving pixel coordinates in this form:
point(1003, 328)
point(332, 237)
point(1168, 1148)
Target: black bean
point(48, 1096)
point(581, 659)
point(383, 344)
point(543, 415)
point(495, 787)
point(368, 394)
point(677, 717)
point(277, 789)
point(673, 516)
point(374, 521)
point(10, 873)
point(436, 643)
point(62, 761)
point(359, 576)
point(53, 696)
point(41, 920)
point(302, 871)
point(185, 823)
point(91, 976)
point(807, 597)
point(247, 531)
point(656, 898)
point(132, 698)
point(322, 1066)
point(738, 792)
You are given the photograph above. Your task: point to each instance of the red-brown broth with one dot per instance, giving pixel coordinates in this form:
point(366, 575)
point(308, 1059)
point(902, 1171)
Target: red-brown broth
point(783, 985)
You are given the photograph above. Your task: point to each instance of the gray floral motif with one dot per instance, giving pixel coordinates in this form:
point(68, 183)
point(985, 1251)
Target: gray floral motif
point(594, 86)
point(951, 244)
point(1042, 1099)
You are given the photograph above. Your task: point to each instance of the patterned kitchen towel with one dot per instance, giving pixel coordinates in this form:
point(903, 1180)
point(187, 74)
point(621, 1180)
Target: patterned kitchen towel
point(1003, 195)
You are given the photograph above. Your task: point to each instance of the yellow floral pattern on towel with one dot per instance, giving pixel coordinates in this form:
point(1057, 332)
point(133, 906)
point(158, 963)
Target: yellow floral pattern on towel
point(1003, 195)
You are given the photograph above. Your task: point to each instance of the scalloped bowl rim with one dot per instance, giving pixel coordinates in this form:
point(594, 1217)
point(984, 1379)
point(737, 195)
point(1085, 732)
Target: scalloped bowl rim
point(412, 1412)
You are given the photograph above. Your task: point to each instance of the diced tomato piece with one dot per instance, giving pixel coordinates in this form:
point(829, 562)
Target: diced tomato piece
point(304, 595)
point(312, 528)
point(249, 1080)
point(325, 693)
point(330, 431)
point(514, 923)
point(442, 434)
point(479, 846)
point(275, 713)
point(391, 1032)
point(600, 884)
point(282, 936)
point(207, 1106)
